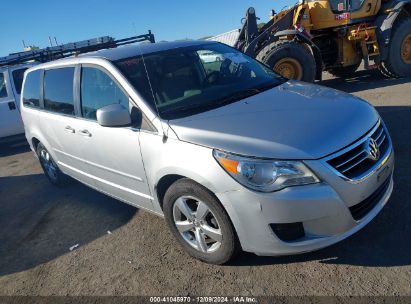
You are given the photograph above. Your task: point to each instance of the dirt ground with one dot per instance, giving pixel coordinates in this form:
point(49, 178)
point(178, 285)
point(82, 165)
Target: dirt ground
point(40, 222)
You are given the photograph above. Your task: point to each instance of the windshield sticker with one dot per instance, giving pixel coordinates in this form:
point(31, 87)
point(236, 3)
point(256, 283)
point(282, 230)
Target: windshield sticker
point(344, 16)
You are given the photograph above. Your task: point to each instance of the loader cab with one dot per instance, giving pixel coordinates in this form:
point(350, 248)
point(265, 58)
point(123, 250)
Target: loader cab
point(333, 13)
point(338, 6)
point(362, 7)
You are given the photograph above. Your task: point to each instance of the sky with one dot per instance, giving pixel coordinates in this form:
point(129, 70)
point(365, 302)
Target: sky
point(75, 20)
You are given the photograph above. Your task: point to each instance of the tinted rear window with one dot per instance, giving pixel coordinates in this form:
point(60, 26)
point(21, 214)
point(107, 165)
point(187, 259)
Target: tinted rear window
point(31, 91)
point(18, 79)
point(58, 90)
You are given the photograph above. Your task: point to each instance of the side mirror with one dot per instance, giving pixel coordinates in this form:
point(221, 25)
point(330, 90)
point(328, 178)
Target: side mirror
point(114, 115)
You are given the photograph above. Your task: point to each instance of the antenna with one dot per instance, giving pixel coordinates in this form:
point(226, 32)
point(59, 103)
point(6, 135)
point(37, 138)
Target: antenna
point(165, 134)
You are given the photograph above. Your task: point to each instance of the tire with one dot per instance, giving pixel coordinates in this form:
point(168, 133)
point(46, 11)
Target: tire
point(276, 52)
point(384, 71)
point(222, 245)
point(344, 72)
point(395, 64)
point(50, 168)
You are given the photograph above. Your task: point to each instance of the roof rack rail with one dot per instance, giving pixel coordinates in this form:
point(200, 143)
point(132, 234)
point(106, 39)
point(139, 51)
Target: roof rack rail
point(70, 49)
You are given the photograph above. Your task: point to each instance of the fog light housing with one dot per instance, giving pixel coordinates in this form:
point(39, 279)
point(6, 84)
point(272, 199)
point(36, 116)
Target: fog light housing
point(288, 232)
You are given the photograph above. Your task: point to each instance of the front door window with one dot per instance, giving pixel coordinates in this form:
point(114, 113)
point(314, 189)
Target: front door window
point(355, 5)
point(99, 90)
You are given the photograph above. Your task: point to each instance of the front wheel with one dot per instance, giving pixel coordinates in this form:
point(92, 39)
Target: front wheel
point(199, 223)
point(290, 59)
point(398, 62)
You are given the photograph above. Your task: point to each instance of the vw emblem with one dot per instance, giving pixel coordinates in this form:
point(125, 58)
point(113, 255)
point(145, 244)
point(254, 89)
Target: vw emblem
point(372, 149)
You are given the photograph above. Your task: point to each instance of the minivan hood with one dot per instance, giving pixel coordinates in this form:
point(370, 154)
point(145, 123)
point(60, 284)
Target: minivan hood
point(292, 121)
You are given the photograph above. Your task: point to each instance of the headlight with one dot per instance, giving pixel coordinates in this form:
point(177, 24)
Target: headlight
point(265, 175)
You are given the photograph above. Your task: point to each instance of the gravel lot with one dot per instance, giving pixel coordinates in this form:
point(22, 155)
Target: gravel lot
point(40, 222)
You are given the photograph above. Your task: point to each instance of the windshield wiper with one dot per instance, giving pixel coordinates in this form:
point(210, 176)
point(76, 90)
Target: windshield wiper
point(216, 103)
point(223, 101)
point(237, 96)
point(183, 108)
point(248, 92)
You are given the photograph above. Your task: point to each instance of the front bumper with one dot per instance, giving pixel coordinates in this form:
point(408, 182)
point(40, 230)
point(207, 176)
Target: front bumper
point(323, 210)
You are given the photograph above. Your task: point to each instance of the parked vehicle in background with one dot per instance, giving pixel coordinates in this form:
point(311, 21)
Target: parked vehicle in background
point(11, 125)
point(231, 154)
point(208, 57)
point(12, 69)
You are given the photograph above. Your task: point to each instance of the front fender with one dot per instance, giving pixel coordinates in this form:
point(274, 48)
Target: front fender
point(176, 157)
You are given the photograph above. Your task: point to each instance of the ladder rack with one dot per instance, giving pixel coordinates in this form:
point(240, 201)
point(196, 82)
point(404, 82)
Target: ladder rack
point(70, 49)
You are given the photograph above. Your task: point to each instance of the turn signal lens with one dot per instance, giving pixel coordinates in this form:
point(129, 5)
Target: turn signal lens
point(229, 165)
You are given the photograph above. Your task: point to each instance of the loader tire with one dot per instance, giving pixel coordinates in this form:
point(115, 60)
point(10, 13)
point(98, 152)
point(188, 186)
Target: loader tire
point(344, 72)
point(290, 59)
point(382, 67)
point(398, 62)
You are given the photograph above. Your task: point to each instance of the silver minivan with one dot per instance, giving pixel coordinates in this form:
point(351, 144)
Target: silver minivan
point(233, 156)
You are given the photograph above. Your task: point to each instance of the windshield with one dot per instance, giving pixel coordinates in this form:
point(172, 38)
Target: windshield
point(195, 79)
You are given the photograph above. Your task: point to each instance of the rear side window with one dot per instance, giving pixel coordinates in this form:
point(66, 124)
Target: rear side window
point(31, 90)
point(58, 90)
point(99, 90)
point(18, 79)
point(3, 88)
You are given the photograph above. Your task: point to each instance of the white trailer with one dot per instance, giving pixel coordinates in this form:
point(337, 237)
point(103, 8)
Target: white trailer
point(228, 38)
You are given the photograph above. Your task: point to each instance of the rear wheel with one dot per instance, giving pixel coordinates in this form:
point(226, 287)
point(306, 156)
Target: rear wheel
point(49, 166)
point(199, 222)
point(398, 62)
point(344, 72)
point(290, 59)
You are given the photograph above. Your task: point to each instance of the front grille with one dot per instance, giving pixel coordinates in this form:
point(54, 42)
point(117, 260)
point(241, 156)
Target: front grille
point(357, 161)
point(361, 209)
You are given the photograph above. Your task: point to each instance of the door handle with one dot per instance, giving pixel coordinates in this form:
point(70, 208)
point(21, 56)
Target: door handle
point(12, 106)
point(69, 129)
point(85, 133)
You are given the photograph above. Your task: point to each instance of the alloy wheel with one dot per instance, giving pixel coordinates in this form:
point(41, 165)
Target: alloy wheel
point(48, 164)
point(197, 224)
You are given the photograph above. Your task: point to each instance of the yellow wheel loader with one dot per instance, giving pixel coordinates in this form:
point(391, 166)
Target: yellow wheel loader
point(332, 35)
